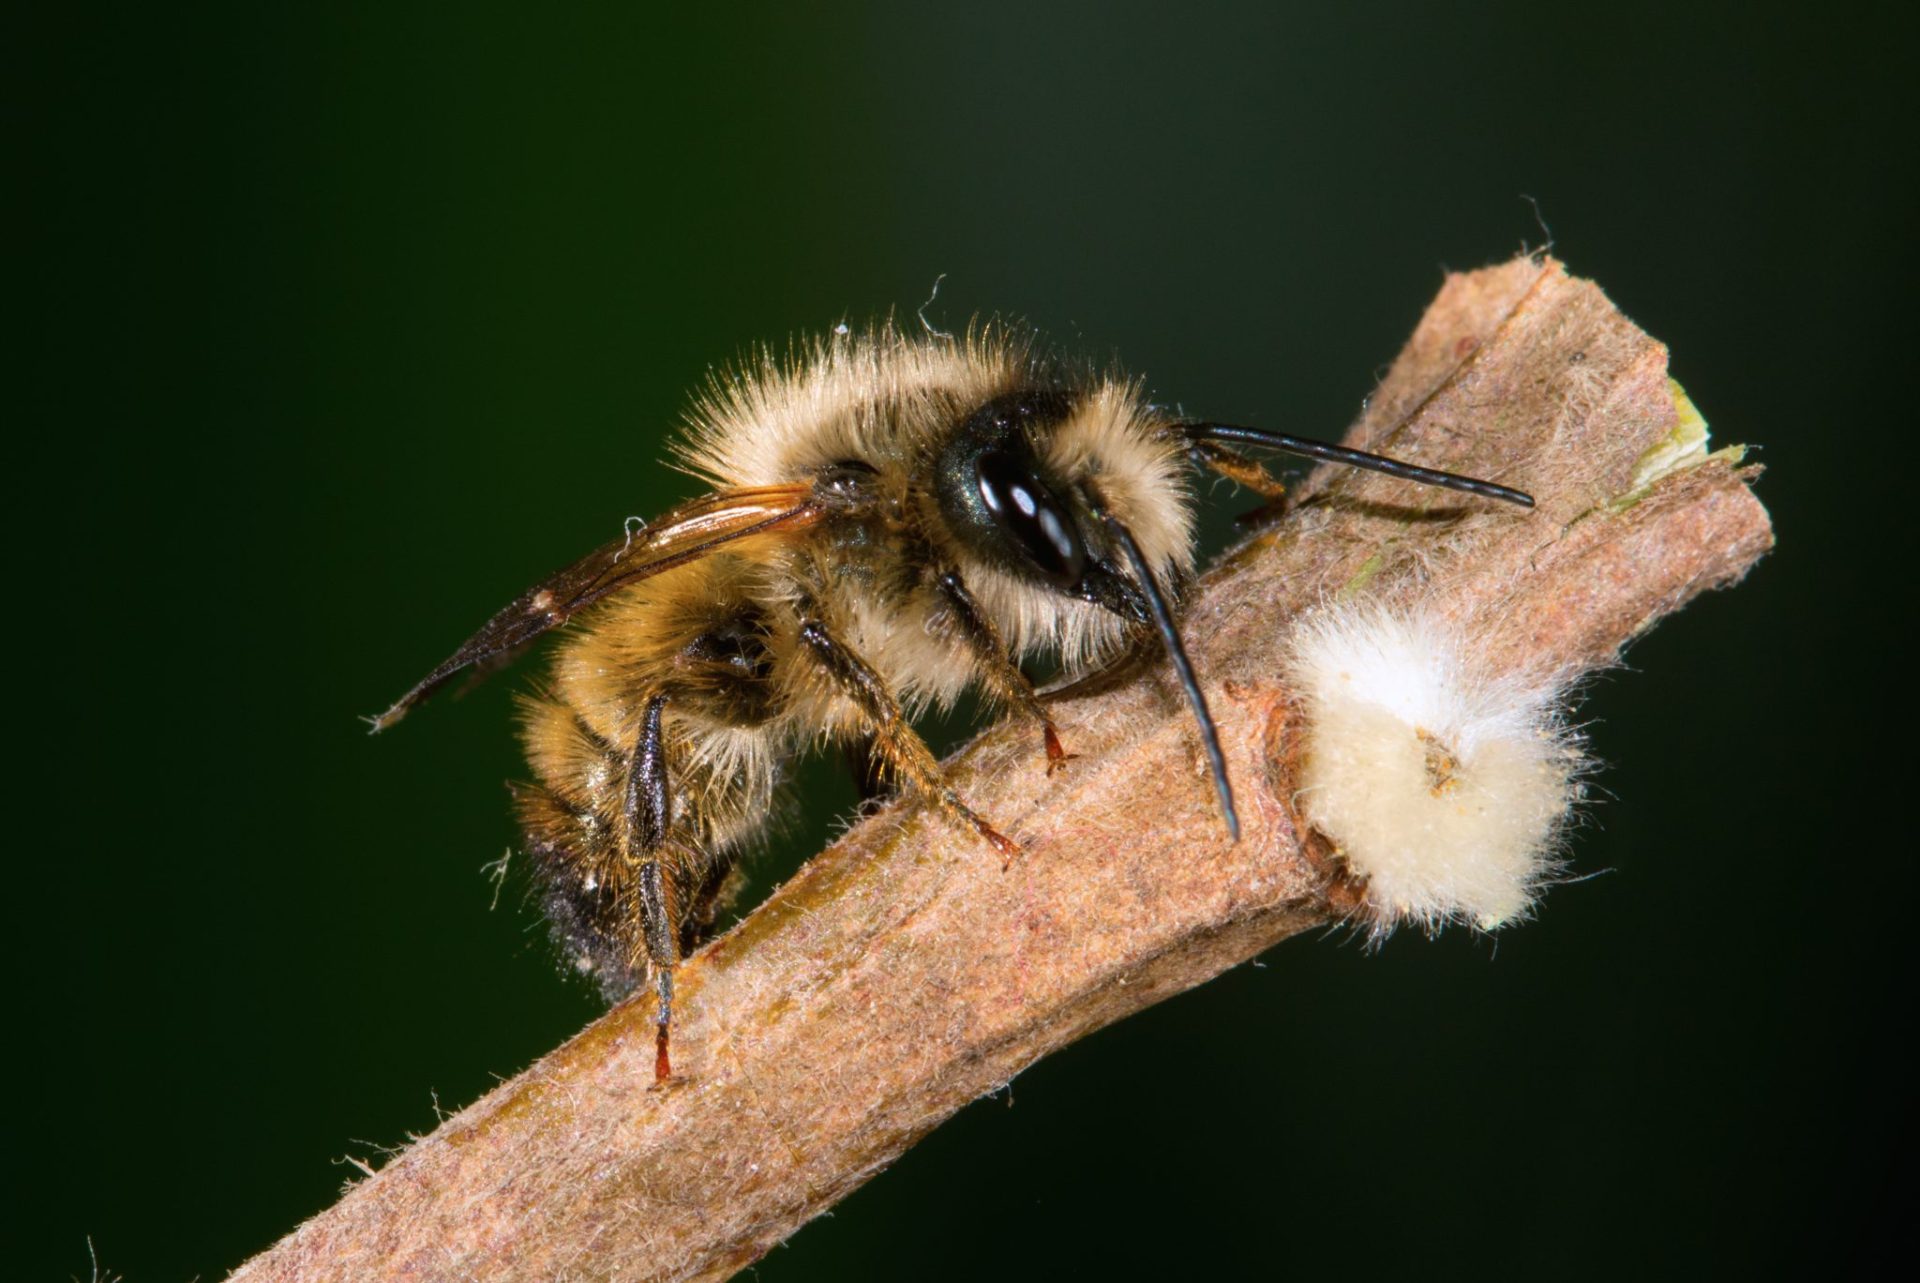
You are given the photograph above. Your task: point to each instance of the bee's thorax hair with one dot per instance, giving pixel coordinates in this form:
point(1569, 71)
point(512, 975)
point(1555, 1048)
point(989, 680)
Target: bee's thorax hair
point(894, 403)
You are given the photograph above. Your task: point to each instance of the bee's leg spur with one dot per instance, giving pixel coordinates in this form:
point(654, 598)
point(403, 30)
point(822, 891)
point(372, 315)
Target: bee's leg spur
point(994, 662)
point(896, 745)
point(647, 815)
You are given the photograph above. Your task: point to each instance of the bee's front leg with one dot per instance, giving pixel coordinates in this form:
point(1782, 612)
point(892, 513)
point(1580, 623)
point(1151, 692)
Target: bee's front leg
point(994, 662)
point(1245, 472)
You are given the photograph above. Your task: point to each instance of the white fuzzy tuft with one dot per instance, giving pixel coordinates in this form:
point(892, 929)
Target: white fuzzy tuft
point(1443, 784)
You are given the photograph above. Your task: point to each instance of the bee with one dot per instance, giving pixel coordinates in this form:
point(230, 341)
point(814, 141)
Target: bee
point(893, 520)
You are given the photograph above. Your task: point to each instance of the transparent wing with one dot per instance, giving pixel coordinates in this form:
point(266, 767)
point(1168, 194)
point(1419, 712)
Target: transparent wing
point(685, 534)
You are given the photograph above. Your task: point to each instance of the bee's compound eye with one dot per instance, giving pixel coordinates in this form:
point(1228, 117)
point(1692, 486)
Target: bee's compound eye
point(1037, 521)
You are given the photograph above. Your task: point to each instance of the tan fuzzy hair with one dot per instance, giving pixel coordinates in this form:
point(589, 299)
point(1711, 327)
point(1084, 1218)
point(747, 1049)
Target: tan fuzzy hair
point(642, 631)
point(888, 398)
point(872, 394)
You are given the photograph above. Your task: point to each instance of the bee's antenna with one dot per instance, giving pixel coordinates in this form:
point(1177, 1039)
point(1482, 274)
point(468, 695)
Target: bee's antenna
point(1177, 652)
point(1311, 449)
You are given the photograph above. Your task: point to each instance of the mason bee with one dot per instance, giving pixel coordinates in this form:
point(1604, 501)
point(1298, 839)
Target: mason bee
point(893, 520)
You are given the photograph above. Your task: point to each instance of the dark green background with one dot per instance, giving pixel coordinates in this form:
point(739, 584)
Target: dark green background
point(336, 330)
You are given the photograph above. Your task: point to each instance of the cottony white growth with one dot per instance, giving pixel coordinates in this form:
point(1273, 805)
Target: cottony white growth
point(1443, 784)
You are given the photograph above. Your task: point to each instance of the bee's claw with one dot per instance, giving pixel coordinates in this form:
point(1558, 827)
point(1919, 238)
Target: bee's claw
point(1057, 757)
point(1006, 846)
point(662, 1064)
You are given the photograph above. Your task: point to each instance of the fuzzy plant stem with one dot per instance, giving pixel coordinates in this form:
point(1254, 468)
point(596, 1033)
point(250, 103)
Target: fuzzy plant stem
point(902, 973)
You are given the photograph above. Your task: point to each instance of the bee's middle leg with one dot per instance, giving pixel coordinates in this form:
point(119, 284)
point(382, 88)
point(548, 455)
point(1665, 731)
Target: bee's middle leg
point(895, 743)
point(994, 662)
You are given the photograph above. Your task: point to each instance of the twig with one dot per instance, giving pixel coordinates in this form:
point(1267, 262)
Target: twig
point(902, 974)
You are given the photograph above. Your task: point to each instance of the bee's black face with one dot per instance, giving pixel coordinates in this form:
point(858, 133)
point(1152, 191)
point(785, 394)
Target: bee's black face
point(1031, 516)
point(999, 501)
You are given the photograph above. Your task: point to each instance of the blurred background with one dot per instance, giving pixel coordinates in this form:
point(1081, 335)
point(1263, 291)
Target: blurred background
point(336, 329)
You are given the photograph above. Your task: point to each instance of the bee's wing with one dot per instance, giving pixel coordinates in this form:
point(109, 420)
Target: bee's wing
point(685, 534)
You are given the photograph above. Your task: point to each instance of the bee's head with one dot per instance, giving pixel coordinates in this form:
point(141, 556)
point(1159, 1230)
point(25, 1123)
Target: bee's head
point(1031, 484)
point(1074, 505)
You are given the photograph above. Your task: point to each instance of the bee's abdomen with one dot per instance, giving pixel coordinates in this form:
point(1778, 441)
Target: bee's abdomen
point(589, 906)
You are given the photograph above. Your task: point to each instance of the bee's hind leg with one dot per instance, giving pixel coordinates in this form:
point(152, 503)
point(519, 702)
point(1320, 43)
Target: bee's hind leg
point(994, 662)
point(647, 814)
point(896, 745)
